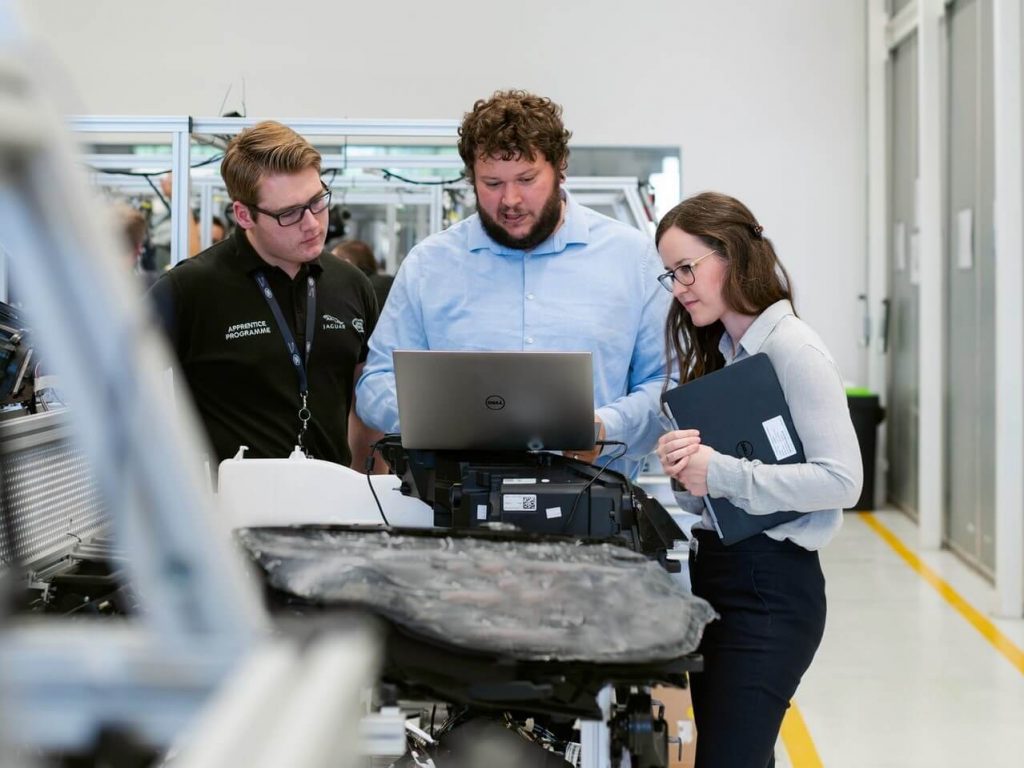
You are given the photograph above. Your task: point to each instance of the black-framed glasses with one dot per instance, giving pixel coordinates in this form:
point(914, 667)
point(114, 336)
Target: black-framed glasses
point(292, 216)
point(682, 274)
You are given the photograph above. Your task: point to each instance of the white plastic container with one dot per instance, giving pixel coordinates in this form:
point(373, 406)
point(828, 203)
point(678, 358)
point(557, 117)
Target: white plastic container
point(299, 490)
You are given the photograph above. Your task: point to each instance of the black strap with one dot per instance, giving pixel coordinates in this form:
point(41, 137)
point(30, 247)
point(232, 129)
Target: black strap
point(301, 364)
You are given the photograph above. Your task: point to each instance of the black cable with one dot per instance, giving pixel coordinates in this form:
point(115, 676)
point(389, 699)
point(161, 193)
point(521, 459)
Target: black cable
point(590, 482)
point(370, 461)
point(157, 192)
point(224, 101)
point(441, 182)
point(636, 518)
point(453, 719)
point(147, 174)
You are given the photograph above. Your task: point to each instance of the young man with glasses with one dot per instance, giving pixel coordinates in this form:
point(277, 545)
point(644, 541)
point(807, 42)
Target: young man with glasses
point(271, 331)
point(532, 270)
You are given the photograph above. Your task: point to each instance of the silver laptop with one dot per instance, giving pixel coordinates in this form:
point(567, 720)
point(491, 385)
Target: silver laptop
point(495, 401)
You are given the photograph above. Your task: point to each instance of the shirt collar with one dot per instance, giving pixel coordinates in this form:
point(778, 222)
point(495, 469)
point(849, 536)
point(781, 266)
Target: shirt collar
point(759, 330)
point(574, 229)
point(248, 261)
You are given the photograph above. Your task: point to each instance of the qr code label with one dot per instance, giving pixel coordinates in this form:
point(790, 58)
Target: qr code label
point(519, 502)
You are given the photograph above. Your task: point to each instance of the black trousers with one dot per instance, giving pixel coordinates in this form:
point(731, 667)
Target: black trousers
point(771, 598)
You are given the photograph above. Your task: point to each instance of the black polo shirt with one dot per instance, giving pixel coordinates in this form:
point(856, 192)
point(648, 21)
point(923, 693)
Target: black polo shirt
point(235, 360)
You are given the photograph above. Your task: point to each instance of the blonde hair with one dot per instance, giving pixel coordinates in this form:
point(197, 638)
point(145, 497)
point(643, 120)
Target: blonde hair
point(265, 149)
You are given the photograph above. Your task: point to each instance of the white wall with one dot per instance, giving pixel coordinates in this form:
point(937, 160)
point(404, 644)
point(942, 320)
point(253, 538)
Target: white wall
point(765, 97)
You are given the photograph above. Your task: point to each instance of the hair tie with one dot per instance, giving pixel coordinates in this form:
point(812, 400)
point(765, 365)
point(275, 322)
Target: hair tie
point(757, 229)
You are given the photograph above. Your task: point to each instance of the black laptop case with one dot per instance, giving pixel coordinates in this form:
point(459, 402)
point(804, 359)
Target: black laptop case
point(740, 411)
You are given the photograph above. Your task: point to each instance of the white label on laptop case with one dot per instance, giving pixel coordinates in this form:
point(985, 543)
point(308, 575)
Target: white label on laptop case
point(778, 436)
point(519, 480)
point(519, 502)
point(553, 512)
point(481, 511)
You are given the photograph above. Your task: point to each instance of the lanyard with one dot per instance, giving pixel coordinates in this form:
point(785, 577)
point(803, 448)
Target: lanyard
point(301, 365)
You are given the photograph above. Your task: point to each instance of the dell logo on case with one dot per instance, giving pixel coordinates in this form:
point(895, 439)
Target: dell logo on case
point(495, 402)
point(744, 450)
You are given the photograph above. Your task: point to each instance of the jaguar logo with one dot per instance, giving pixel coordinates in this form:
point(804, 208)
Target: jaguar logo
point(744, 449)
point(495, 402)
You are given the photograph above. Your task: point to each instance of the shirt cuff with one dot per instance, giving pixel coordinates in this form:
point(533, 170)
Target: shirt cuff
point(725, 476)
point(612, 421)
point(689, 503)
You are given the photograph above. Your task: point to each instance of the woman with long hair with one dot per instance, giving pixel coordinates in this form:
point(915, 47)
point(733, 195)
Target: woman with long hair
point(734, 299)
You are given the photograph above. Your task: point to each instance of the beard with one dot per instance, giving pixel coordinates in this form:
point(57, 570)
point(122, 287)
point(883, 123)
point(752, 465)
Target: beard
point(547, 222)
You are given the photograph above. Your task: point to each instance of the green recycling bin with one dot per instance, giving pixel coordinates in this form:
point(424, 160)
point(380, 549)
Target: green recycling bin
point(866, 413)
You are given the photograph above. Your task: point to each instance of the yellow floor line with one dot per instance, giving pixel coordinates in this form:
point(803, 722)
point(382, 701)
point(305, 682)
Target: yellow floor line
point(797, 740)
point(988, 630)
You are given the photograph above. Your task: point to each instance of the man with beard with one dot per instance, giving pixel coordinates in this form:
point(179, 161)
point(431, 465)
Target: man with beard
point(269, 329)
point(532, 270)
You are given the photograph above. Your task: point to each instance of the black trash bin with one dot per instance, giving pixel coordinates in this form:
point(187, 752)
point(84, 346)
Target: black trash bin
point(866, 414)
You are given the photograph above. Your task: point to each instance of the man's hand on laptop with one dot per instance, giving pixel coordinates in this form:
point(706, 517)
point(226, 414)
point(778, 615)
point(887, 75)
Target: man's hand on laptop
point(590, 456)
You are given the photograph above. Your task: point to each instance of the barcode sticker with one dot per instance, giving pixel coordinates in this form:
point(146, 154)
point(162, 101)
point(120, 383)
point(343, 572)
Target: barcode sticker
point(572, 753)
point(481, 511)
point(778, 436)
point(553, 512)
point(519, 502)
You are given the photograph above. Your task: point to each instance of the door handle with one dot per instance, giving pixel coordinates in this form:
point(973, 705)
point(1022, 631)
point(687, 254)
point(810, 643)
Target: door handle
point(885, 325)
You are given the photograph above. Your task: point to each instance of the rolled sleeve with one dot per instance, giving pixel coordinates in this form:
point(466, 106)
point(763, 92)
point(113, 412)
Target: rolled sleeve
point(687, 502)
point(636, 417)
point(399, 327)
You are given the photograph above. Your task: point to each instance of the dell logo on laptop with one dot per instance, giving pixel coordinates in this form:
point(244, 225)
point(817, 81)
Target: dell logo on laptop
point(744, 449)
point(495, 402)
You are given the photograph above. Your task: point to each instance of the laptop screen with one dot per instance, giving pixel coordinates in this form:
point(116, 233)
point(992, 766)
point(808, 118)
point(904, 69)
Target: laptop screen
point(495, 401)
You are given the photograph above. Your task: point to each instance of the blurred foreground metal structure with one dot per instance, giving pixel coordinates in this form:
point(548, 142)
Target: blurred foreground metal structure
point(201, 627)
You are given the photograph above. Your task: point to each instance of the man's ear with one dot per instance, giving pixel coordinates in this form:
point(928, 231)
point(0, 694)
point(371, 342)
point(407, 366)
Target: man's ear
point(243, 216)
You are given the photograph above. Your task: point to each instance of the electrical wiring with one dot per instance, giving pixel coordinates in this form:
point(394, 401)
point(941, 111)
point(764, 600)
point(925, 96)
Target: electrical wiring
point(370, 461)
point(147, 174)
point(572, 512)
point(440, 182)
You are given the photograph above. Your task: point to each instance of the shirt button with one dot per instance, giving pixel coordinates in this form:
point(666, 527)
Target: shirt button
point(529, 339)
point(529, 296)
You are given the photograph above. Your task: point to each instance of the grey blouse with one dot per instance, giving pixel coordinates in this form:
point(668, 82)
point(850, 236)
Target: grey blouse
point(831, 478)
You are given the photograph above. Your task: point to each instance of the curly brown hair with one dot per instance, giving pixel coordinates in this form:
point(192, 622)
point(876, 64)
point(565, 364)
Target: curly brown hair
point(511, 125)
point(754, 279)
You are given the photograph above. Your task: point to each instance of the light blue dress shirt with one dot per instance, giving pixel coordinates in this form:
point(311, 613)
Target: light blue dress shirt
point(831, 478)
point(590, 287)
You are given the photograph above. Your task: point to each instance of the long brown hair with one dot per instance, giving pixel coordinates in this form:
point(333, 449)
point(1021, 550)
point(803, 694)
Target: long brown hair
point(754, 277)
